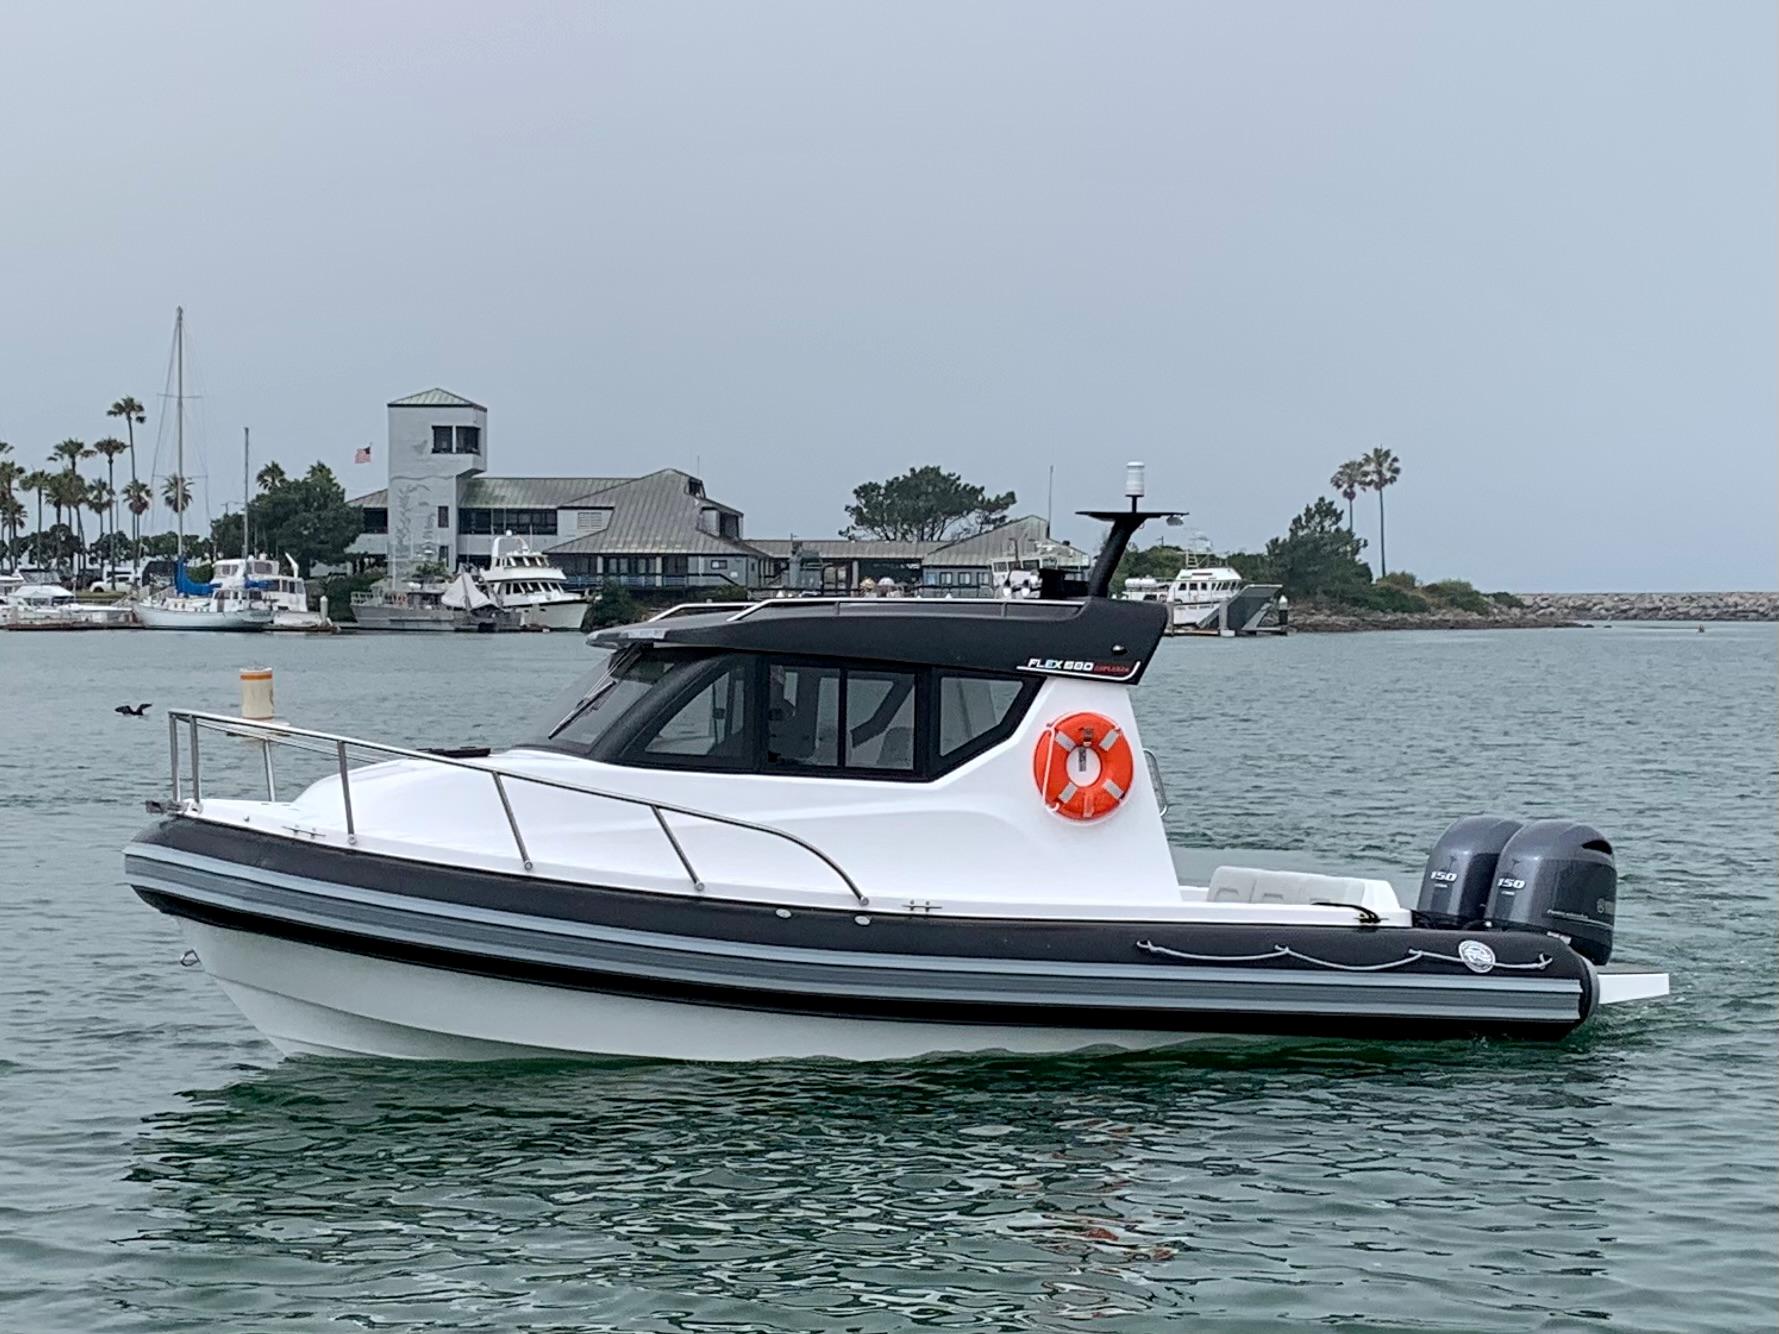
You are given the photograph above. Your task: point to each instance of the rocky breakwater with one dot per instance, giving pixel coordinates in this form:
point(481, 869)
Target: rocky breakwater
point(1760, 606)
point(1313, 617)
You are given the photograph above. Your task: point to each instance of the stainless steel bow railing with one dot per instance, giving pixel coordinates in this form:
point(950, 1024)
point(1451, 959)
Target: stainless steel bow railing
point(194, 723)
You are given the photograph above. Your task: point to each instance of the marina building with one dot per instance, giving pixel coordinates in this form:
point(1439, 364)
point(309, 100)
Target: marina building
point(440, 506)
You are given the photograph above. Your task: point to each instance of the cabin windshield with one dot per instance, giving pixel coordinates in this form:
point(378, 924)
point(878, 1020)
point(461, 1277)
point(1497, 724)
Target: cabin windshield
point(582, 714)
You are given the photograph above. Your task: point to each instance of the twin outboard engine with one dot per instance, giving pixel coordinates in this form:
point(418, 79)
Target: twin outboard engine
point(1553, 876)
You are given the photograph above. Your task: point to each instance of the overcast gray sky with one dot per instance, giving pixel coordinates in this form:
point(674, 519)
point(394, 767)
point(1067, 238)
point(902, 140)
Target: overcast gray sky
point(1530, 247)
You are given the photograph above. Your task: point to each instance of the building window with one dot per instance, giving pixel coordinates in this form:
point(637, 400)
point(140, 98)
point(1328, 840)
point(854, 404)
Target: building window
point(675, 565)
point(729, 526)
point(441, 439)
point(945, 577)
point(469, 439)
point(529, 522)
point(444, 518)
point(719, 564)
point(445, 557)
point(376, 519)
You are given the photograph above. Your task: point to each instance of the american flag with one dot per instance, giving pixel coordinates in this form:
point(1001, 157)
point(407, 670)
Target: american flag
point(363, 455)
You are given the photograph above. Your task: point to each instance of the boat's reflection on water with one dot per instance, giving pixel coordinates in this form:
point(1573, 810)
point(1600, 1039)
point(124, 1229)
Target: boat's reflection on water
point(977, 1192)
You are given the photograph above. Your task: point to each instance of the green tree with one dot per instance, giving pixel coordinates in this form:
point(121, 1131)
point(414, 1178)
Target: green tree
point(176, 493)
point(1317, 558)
point(1381, 468)
point(307, 519)
point(1157, 562)
point(270, 477)
point(923, 505)
point(1348, 481)
point(133, 416)
point(613, 606)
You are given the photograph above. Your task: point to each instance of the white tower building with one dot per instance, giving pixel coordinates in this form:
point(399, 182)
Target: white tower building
point(436, 440)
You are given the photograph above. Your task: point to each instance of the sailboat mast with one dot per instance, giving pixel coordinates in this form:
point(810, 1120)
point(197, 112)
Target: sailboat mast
point(246, 493)
point(179, 417)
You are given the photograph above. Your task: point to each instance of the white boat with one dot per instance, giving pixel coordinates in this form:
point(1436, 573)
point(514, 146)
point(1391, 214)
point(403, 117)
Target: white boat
point(855, 828)
point(524, 582)
point(35, 606)
point(1206, 596)
point(282, 589)
point(187, 604)
point(206, 607)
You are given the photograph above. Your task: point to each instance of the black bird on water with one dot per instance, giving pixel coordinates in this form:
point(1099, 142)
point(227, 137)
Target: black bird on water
point(130, 711)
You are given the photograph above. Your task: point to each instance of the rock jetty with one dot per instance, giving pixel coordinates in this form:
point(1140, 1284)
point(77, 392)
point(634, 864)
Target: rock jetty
point(1654, 606)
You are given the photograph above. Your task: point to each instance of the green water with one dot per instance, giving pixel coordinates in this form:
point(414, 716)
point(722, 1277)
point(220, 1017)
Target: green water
point(162, 1169)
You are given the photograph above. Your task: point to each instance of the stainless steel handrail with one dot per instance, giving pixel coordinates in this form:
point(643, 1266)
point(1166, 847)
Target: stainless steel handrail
point(1156, 781)
point(302, 738)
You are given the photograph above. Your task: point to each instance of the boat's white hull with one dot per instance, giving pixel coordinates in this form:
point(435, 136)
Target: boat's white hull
point(167, 618)
point(312, 1001)
point(550, 615)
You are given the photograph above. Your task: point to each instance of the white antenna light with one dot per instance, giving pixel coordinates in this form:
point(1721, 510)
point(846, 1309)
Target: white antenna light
point(1133, 480)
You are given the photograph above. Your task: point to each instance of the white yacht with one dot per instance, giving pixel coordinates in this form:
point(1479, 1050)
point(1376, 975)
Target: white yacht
point(857, 828)
point(49, 606)
point(524, 582)
point(282, 588)
point(1206, 596)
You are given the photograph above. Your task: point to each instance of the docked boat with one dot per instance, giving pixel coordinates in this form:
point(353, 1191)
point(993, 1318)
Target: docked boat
point(1207, 597)
point(192, 605)
point(408, 604)
point(524, 583)
point(281, 587)
point(430, 605)
point(856, 828)
point(50, 606)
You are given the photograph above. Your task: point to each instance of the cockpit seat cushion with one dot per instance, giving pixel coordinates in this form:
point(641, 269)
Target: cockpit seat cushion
point(1253, 884)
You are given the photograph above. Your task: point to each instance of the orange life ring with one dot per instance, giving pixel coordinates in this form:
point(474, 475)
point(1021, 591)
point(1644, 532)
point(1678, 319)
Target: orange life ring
point(1083, 765)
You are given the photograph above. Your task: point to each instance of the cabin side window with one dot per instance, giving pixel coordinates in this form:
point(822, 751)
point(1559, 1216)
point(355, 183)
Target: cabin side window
point(710, 727)
point(977, 712)
point(840, 718)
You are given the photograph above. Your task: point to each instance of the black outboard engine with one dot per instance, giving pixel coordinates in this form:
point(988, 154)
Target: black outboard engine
point(1460, 872)
point(1558, 877)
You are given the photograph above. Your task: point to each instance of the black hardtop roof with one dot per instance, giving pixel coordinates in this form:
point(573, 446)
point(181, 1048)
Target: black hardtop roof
point(1100, 638)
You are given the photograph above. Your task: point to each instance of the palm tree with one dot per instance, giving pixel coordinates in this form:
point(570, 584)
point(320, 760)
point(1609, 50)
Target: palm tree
point(270, 477)
point(101, 500)
point(132, 413)
point(67, 492)
point(72, 450)
point(110, 447)
point(12, 513)
point(1348, 481)
point(176, 492)
point(11, 508)
point(1381, 468)
point(36, 480)
point(140, 498)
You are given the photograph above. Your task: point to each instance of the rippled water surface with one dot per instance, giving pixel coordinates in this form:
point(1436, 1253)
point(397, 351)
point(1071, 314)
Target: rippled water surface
point(162, 1169)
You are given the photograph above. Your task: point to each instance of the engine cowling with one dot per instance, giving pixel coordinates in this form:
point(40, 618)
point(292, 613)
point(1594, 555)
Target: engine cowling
point(1460, 871)
point(1559, 877)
